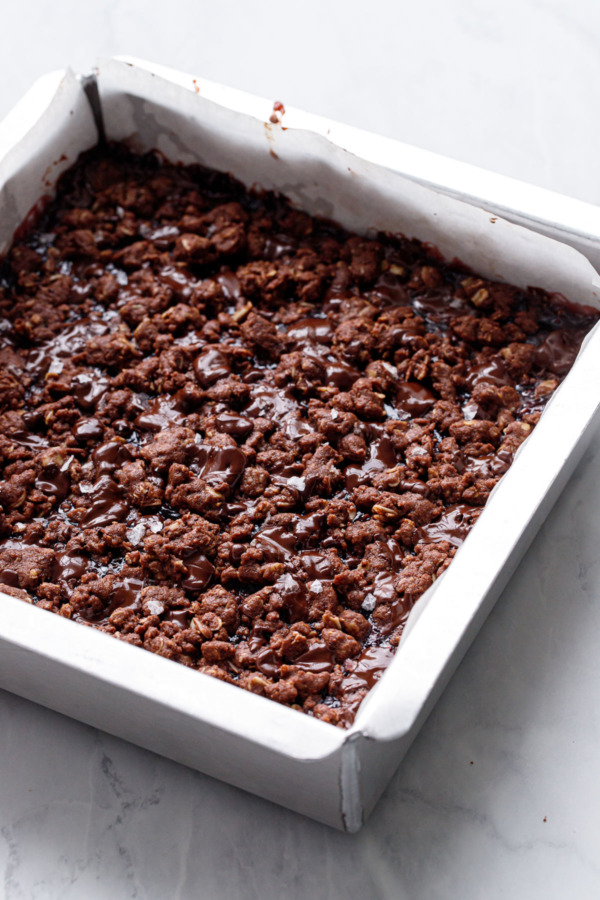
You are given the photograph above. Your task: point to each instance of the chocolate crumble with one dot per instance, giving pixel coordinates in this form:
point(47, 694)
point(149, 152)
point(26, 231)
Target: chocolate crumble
point(243, 438)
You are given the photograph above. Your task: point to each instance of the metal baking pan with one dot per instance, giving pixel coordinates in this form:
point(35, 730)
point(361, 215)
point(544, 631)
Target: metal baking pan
point(332, 775)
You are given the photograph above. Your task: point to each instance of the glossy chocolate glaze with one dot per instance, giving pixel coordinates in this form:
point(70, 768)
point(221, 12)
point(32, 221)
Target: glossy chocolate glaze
point(243, 438)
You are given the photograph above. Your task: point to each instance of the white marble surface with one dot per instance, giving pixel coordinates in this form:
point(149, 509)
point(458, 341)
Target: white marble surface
point(499, 796)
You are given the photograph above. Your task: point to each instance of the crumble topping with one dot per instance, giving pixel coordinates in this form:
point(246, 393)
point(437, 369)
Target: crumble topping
point(244, 438)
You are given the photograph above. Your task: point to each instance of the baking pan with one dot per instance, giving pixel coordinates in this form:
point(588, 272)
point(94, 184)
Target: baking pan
point(327, 773)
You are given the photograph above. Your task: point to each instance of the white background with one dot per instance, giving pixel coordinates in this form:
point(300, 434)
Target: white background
point(499, 796)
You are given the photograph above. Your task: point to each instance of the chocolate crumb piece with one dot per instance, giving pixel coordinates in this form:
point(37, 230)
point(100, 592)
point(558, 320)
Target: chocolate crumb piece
point(242, 438)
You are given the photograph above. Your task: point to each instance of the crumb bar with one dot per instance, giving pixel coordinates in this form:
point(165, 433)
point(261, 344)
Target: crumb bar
point(243, 438)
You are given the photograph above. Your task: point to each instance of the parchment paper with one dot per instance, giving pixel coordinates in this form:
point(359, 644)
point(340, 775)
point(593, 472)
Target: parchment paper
point(152, 112)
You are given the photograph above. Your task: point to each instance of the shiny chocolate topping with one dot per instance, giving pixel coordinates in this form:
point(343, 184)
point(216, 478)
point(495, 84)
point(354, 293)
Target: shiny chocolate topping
point(245, 439)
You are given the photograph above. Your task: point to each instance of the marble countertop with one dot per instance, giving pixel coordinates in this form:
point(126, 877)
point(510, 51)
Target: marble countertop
point(499, 795)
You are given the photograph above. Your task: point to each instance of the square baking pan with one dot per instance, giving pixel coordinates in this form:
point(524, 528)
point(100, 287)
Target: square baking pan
point(364, 182)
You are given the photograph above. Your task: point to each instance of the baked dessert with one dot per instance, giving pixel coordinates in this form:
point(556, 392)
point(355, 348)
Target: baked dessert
point(243, 438)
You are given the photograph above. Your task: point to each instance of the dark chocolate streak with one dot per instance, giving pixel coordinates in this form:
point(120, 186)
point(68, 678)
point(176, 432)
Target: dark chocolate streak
point(243, 438)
